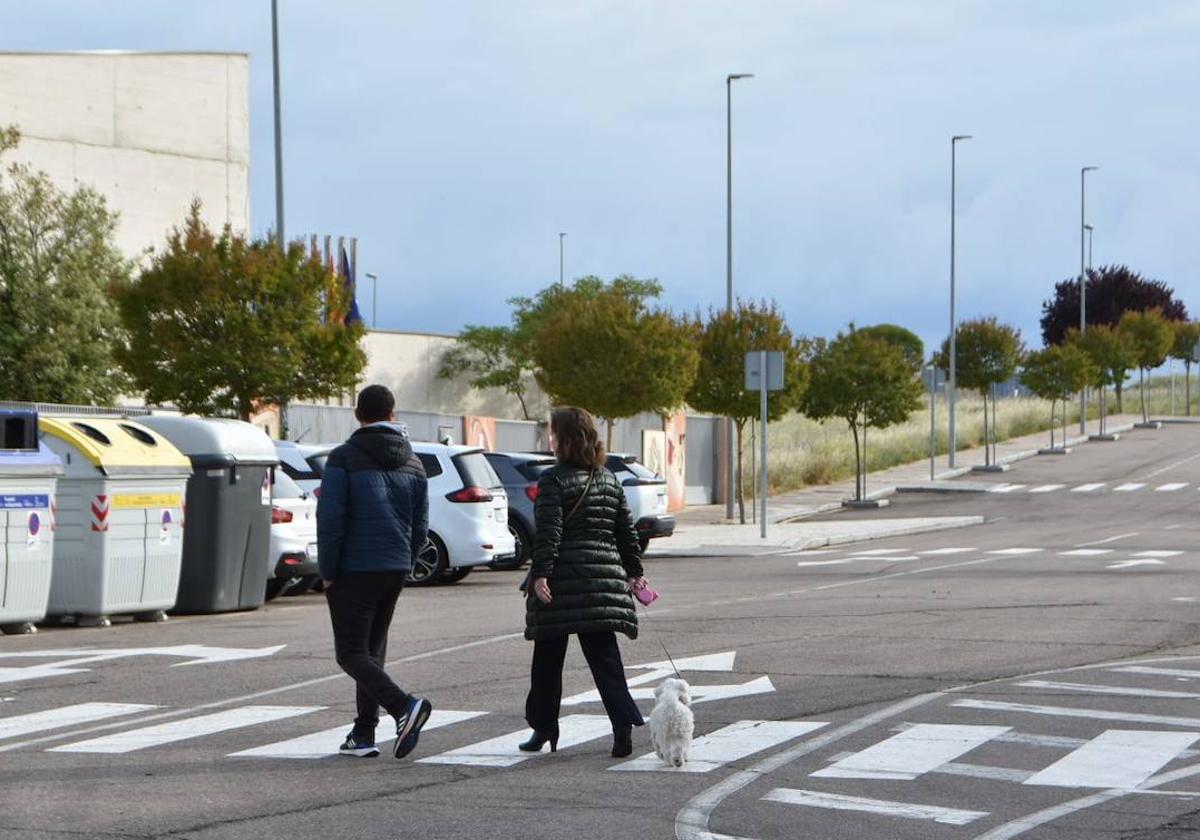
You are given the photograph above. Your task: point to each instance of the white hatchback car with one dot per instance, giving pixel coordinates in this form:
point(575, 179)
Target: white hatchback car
point(468, 514)
point(293, 537)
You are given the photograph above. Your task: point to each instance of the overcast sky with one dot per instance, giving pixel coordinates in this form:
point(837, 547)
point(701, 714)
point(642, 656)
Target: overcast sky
point(457, 139)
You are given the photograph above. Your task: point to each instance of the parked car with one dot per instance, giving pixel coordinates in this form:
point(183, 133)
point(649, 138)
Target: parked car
point(294, 460)
point(646, 492)
point(293, 537)
point(519, 471)
point(468, 515)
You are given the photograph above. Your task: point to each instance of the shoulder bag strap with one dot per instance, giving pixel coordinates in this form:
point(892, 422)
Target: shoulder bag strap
point(582, 496)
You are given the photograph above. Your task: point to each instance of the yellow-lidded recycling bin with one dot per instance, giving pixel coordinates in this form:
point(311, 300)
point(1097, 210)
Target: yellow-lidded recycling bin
point(119, 538)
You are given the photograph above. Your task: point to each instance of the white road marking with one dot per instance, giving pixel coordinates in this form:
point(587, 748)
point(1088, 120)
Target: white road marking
point(1087, 488)
point(980, 771)
point(1158, 672)
point(874, 552)
point(804, 564)
point(1190, 599)
point(1016, 551)
point(1007, 488)
point(1129, 564)
point(1085, 552)
point(936, 552)
point(813, 552)
point(1047, 488)
point(904, 559)
point(700, 693)
point(1170, 487)
point(1128, 487)
point(905, 810)
point(11, 727)
point(731, 743)
point(1156, 553)
point(1170, 467)
point(182, 730)
point(326, 743)
point(912, 752)
point(1107, 540)
point(503, 752)
point(1116, 759)
point(1062, 711)
point(1089, 688)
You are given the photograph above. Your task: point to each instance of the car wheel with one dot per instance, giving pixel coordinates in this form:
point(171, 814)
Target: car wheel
point(430, 563)
point(301, 585)
point(524, 548)
point(454, 575)
point(275, 587)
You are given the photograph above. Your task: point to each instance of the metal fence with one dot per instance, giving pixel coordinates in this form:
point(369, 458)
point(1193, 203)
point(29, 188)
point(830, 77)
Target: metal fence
point(57, 410)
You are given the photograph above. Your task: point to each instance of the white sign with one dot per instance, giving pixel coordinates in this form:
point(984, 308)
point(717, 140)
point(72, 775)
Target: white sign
point(774, 370)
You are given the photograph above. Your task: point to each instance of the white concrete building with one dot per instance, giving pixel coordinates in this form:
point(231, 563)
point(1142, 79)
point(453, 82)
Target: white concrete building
point(150, 131)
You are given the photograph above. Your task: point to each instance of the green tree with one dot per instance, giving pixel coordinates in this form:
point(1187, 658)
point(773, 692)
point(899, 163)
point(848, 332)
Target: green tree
point(1151, 338)
point(1055, 374)
point(603, 349)
point(57, 258)
point(218, 324)
point(720, 383)
point(909, 342)
point(988, 354)
point(1112, 356)
point(1187, 335)
point(865, 381)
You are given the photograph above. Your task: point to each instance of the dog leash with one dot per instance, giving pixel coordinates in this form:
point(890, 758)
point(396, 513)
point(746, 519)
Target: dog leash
point(662, 644)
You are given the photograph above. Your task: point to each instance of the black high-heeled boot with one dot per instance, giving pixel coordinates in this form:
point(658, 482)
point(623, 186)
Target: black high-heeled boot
point(538, 740)
point(622, 740)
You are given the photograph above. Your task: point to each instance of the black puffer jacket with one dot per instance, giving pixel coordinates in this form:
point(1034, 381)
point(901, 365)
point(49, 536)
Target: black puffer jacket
point(587, 558)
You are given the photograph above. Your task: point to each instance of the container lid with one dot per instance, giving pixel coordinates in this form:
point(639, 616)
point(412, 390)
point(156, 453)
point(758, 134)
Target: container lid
point(118, 446)
point(39, 462)
point(215, 440)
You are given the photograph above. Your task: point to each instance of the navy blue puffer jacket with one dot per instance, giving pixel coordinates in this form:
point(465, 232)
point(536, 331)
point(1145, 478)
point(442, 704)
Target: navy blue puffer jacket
point(373, 511)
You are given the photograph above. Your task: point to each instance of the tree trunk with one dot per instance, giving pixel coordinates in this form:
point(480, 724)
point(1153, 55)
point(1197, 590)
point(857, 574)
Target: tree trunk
point(995, 426)
point(1052, 404)
point(1120, 388)
point(866, 461)
point(987, 447)
point(608, 436)
point(1142, 389)
point(1187, 386)
point(741, 491)
point(857, 462)
point(520, 395)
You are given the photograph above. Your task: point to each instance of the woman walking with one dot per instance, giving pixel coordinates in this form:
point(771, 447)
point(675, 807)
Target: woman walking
point(586, 559)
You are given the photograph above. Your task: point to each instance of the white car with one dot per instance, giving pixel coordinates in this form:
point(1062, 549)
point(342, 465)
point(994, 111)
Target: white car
point(468, 514)
point(295, 463)
point(646, 492)
point(293, 537)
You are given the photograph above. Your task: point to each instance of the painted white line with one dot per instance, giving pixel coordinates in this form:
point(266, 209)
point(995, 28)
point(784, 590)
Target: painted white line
point(875, 552)
point(183, 730)
point(803, 564)
point(1156, 553)
point(1107, 540)
point(813, 552)
point(1085, 552)
point(1062, 711)
point(1189, 599)
point(1087, 488)
point(731, 743)
point(980, 771)
point(1170, 487)
point(1117, 758)
point(1128, 487)
point(1007, 488)
point(904, 559)
point(1170, 467)
point(1016, 551)
point(325, 744)
point(1119, 690)
point(887, 808)
point(937, 552)
point(1158, 672)
point(700, 693)
point(11, 727)
point(1047, 488)
point(503, 752)
point(912, 752)
point(1129, 564)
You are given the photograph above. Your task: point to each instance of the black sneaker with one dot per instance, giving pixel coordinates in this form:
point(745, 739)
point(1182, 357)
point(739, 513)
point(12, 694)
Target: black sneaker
point(358, 746)
point(408, 725)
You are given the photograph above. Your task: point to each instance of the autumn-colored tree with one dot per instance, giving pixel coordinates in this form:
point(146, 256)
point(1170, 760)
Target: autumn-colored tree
point(1111, 355)
point(988, 353)
point(866, 381)
point(218, 324)
point(1187, 336)
point(1151, 337)
point(57, 257)
point(1055, 374)
point(1112, 291)
point(720, 383)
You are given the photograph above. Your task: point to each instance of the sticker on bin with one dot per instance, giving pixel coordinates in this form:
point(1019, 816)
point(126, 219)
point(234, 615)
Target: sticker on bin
point(100, 511)
point(24, 501)
point(310, 551)
point(33, 534)
point(164, 535)
point(146, 500)
point(266, 488)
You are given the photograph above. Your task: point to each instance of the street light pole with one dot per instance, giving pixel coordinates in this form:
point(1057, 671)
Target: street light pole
point(561, 236)
point(952, 380)
point(729, 80)
point(1091, 229)
point(1083, 226)
point(374, 299)
point(278, 127)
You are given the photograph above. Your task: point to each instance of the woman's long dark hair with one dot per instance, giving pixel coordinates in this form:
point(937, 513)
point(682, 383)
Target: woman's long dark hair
point(575, 439)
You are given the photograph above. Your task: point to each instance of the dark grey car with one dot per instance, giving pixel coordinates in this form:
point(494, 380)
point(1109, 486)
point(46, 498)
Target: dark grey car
point(519, 472)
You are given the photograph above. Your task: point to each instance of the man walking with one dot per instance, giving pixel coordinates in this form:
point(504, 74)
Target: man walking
point(372, 520)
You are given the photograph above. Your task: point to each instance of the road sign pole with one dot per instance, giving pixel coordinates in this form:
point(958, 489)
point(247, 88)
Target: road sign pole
point(762, 408)
point(932, 421)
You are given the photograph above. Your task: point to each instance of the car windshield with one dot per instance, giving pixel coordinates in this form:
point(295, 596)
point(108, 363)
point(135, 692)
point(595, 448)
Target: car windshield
point(533, 469)
point(317, 462)
point(640, 470)
point(475, 471)
point(286, 488)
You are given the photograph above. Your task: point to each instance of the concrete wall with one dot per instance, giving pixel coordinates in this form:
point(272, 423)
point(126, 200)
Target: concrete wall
point(148, 130)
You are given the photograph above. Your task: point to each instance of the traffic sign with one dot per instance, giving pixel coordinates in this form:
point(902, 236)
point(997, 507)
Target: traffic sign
point(774, 370)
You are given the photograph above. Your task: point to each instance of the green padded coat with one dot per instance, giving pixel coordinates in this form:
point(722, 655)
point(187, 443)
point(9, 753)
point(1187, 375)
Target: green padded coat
point(587, 558)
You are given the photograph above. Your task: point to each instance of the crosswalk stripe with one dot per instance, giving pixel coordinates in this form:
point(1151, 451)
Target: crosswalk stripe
point(875, 552)
point(1170, 487)
point(1087, 488)
point(1016, 551)
point(1061, 711)
point(80, 713)
point(1117, 758)
point(731, 743)
point(804, 564)
point(1007, 488)
point(1157, 553)
point(503, 752)
point(182, 730)
point(937, 552)
point(1047, 488)
point(911, 753)
point(1085, 552)
point(1118, 690)
point(907, 810)
point(1159, 672)
point(324, 744)
point(1129, 487)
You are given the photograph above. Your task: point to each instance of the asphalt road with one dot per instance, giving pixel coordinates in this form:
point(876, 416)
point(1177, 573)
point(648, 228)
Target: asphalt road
point(1036, 676)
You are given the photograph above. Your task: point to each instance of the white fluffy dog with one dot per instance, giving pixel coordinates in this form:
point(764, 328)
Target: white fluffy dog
point(671, 722)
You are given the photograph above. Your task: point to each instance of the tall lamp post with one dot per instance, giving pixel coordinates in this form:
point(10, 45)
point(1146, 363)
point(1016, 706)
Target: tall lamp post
point(952, 380)
point(374, 299)
point(278, 127)
point(561, 237)
point(729, 80)
point(1091, 230)
point(1083, 226)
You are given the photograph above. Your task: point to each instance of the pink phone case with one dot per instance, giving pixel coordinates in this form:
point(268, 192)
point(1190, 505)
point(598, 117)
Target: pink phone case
point(646, 595)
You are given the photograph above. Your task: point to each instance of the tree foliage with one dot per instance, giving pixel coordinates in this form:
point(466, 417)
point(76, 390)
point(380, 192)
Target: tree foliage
point(57, 258)
point(988, 353)
point(907, 341)
point(1056, 373)
point(1151, 338)
point(1111, 292)
point(218, 324)
point(1111, 355)
point(864, 380)
point(1187, 334)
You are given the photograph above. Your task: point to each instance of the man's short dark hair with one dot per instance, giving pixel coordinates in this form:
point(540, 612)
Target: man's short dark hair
point(375, 404)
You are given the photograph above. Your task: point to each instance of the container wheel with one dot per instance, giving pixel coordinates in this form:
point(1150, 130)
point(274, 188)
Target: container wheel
point(19, 629)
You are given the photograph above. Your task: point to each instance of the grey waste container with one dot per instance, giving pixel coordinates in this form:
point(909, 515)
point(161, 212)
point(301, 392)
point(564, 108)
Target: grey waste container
point(28, 474)
point(226, 542)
